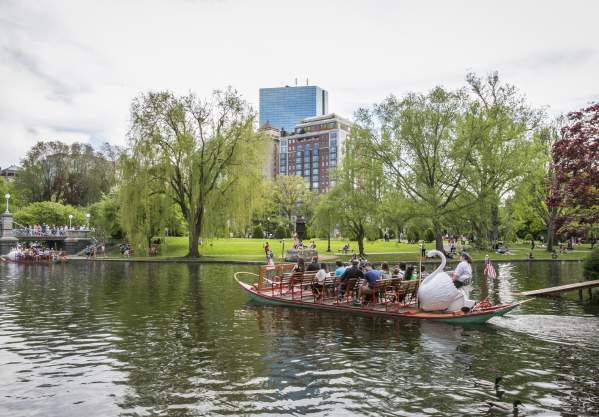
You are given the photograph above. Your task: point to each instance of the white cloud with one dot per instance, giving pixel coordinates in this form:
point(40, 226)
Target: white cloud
point(69, 69)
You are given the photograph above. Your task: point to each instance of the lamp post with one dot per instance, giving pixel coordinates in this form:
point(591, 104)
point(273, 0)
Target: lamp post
point(87, 215)
point(7, 196)
point(70, 221)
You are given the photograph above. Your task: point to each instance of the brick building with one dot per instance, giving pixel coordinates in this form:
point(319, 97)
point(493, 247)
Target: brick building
point(314, 148)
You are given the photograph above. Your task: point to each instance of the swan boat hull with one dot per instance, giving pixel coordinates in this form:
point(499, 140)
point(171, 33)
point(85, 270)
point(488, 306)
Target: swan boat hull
point(409, 312)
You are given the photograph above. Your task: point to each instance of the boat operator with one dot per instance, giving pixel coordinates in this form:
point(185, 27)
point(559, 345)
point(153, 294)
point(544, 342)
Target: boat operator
point(463, 273)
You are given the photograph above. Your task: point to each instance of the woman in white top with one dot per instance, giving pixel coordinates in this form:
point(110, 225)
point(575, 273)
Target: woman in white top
point(321, 277)
point(463, 273)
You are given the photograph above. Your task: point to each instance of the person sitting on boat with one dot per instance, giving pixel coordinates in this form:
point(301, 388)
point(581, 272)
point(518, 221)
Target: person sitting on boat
point(320, 278)
point(351, 274)
point(340, 268)
point(298, 270)
point(385, 273)
point(463, 273)
point(314, 265)
point(371, 277)
point(300, 266)
point(402, 270)
point(409, 274)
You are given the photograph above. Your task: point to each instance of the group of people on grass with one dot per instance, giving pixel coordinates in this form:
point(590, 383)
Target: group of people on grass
point(361, 276)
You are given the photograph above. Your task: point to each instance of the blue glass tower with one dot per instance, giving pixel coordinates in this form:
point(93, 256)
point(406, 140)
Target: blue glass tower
point(284, 107)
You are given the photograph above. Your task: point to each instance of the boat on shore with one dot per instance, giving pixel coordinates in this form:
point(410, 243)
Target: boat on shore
point(393, 298)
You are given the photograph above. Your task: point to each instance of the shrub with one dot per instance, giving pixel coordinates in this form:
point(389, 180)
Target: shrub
point(429, 235)
point(281, 232)
point(591, 265)
point(413, 234)
point(49, 213)
point(257, 233)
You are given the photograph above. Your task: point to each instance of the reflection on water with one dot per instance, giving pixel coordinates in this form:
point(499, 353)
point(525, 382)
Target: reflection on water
point(173, 339)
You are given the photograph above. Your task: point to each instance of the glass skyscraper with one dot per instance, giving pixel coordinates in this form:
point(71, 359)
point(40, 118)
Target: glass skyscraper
point(284, 107)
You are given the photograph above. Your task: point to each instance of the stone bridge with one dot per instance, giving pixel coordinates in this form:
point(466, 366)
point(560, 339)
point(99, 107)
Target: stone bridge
point(71, 241)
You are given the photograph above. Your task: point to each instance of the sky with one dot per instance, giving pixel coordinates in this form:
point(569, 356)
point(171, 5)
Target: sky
point(70, 69)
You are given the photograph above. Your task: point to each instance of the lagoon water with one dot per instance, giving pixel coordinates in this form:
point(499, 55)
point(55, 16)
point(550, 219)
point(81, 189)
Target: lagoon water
point(144, 339)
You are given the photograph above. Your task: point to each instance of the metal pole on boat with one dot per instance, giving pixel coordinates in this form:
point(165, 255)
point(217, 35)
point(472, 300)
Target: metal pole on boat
point(420, 265)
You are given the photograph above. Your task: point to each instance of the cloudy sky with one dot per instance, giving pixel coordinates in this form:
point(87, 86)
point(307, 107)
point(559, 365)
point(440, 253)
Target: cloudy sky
point(69, 69)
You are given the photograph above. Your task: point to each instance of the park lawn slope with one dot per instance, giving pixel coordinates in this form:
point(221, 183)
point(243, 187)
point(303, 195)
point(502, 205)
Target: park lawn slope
point(252, 250)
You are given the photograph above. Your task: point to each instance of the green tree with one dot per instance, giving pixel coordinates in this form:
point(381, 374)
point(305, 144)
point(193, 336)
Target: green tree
point(323, 221)
point(415, 140)
point(204, 155)
point(290, 195)
point(75, 174)
point(50, 213)
point(498, 124)
point(145, 210)
point(357, 195)
point(105, 216)
point(16, 195)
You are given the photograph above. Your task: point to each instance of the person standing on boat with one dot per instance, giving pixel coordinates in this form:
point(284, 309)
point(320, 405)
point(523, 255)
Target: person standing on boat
point(463, 273)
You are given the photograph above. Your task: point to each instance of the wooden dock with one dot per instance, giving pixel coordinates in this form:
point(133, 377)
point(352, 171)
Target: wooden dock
point(563, 288)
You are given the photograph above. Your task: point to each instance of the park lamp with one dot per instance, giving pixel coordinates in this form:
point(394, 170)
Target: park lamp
point(7, 196)
point(70, 221)
point(87, 215)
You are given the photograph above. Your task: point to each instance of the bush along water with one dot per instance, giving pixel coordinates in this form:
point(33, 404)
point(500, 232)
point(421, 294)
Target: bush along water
point(591, 265)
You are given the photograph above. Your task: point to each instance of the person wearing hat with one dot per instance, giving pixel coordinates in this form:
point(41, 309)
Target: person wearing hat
point(463, 273)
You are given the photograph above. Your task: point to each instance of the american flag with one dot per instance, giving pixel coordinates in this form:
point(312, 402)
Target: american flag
point(489, 269)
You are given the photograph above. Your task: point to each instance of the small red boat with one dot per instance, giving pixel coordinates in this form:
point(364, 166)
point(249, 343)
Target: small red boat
point(392, 299)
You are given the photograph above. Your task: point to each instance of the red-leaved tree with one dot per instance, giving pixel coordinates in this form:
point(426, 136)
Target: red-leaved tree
point(575, 186)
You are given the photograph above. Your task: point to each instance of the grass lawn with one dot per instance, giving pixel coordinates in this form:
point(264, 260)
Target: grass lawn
point(251, 250)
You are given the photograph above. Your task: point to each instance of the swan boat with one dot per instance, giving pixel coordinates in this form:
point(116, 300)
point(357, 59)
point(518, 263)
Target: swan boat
point(393, 298)
point(16, 255)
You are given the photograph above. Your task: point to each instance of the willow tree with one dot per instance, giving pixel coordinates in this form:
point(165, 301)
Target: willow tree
point(144, 208)
point(205, 155)
point(415, 140)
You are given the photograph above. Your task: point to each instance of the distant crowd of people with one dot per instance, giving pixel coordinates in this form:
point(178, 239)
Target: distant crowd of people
point(47, 230)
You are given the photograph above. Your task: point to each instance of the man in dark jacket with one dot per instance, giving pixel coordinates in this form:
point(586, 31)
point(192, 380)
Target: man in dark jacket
point(353, 273)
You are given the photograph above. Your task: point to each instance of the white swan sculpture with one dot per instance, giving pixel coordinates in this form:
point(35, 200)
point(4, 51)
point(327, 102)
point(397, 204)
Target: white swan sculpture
point(437, 291)
point(13, 254)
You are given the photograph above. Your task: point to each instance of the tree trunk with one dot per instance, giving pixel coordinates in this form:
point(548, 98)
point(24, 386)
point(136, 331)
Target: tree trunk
point(551, 229)
point(438, 236)
point(195, 229)
point(329, 241)
point(494, 222)
point(194, 238)
point(398, 233)
point(360, 239)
